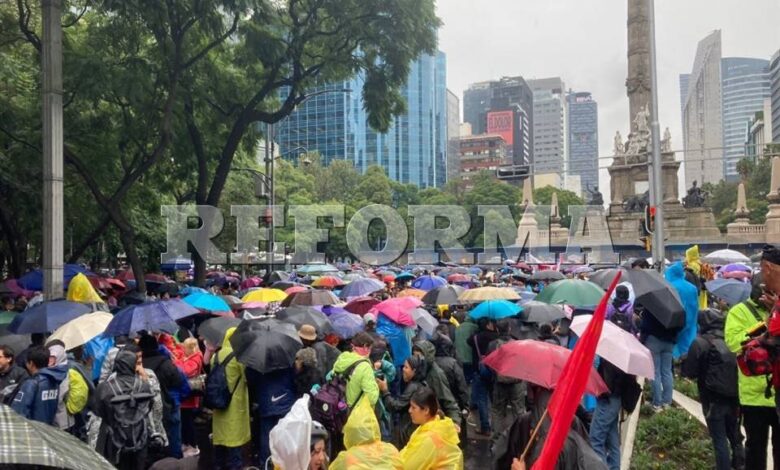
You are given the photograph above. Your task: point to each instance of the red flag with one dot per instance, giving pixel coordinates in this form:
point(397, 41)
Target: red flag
point(567, 395)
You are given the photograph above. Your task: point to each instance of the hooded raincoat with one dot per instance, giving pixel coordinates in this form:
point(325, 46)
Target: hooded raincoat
point(361, 380)
point(364, 447)
point(694, 264)
point(437, 380)
point(230, 426)
point(434, 445)
point(675, 274)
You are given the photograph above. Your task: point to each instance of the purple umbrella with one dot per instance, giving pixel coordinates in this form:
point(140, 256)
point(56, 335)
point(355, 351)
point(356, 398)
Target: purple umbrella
point(346, 324)
point(361, 287)
point(150, 316)
point(429, 282)
point(735, 267)
point(331, 309)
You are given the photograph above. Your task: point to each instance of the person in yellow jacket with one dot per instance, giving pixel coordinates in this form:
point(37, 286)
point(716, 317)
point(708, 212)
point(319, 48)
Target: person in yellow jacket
point(434, 444)
point(694, 264)
point(230, 427)
point(758, 410)
point(365, 449)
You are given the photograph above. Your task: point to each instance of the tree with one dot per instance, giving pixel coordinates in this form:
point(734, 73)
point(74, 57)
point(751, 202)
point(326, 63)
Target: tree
point(543, 196)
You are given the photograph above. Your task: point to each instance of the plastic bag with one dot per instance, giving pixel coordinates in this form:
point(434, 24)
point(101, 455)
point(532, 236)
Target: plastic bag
point(290, 439)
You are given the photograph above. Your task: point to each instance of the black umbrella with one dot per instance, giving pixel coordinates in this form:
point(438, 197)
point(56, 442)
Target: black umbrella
point(547, 276)
point(213, 330)
point(266, 345)
point(444, 295)
point(300, 316)
point(309, 298)
point(540, 312)
point(657, 296)
point(284, 285)
point(603, 277)
point(277, 276)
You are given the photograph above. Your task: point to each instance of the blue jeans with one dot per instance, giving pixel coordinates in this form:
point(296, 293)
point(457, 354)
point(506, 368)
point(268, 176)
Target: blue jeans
point(173, 430)
point(723, 426)
point(481, 395)
point(664, 380)
point(228, 458)
point(604, 433)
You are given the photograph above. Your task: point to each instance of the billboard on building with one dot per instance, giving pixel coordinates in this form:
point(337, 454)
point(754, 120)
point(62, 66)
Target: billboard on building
point(502, 123)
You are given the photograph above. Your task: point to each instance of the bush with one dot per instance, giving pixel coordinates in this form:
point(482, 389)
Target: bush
point(669, 440)
point(687, 387)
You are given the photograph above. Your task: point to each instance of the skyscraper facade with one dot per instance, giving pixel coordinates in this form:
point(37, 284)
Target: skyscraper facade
point(774, 77)
point(550, 135)
point(684, 79)
point(702, 115)
point(744, 86)
point(583, 138)
point(414, 149)
point(503, 107)
point(453, 135)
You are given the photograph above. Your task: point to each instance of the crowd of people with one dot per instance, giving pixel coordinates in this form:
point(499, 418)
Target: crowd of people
point(402, 398)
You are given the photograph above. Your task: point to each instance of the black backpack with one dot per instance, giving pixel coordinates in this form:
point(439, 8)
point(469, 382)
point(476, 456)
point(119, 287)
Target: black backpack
point(217, 394)
point(720, 374)
point(128, 429)
point(624, 320)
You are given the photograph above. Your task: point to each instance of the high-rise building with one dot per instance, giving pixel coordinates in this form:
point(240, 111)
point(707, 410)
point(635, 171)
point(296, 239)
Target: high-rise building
point(483, 152)
point(453, 135)
point(505, 107)
point(684, 79)
point(583, 138)
point(413, 150)
point(774, 77)
point(550, 134)
point(744, 86)
point(702, 117)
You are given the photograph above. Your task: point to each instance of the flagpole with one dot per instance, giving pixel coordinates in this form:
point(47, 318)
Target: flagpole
point(529, 444)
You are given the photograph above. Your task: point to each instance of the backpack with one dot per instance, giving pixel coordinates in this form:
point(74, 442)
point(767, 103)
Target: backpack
point(720, 374)
point(329, 405)
point(622, 319)
point(217, 394)
point(128, 429)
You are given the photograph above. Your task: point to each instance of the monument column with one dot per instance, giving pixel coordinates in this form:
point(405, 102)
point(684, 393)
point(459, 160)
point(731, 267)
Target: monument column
point(638, 81)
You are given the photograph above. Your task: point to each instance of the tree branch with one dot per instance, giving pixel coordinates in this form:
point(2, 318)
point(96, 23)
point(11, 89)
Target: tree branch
point(212, 45)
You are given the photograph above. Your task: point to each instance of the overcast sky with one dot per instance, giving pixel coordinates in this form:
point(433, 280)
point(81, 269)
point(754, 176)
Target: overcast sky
point(584, 42)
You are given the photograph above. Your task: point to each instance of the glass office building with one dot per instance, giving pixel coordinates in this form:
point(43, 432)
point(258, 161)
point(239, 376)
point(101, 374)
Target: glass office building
point(584, 139)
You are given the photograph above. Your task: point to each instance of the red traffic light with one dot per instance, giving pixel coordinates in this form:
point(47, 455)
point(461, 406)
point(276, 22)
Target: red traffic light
point(652, 211)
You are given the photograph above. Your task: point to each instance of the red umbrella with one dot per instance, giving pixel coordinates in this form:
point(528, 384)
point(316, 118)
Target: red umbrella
point(539, 363)
point(361, 305)
point(155, 277)
point(328, 282)
point(294, 289)
point(388, 278)
point(100, 283)
point(398, 309)
point(116, 283)
point(454, 278)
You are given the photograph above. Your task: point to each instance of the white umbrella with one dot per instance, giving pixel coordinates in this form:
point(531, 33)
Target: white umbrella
point(619, 347)
point(726, 257)
point(81, 330)
point(425, 320)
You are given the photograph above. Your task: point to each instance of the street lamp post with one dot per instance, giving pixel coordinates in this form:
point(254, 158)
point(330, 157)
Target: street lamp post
point(656, 168)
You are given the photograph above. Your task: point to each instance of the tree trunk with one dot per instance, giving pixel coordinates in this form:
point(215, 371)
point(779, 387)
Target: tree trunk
point(96, 233)
point(128, 243)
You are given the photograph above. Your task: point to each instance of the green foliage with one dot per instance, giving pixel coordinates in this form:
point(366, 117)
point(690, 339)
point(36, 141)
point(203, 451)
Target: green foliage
point(543, 196)
point(671, 440)
point(756, 175)
point(687, 387)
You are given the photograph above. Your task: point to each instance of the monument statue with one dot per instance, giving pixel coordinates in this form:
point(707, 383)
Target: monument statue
point(596, 198)
point(637, 203)
point(695, 198)
point(618, 148)
point(666, 142)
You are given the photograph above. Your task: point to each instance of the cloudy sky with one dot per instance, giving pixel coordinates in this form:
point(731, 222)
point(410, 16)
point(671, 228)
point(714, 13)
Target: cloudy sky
point(584, 42)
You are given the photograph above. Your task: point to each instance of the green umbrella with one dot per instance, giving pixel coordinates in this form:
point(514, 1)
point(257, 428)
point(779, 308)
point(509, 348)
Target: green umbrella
point(31, 444)
point(6, 317)
point(573, 292)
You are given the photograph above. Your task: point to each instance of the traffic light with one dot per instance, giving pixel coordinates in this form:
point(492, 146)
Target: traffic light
point(647, 240)
point(649, 225)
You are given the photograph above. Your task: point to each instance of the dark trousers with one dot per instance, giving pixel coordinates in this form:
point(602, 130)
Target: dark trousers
point(757, 420)
point(723, 426)
point(188, 426)
point(260, 435)
point(228, 458)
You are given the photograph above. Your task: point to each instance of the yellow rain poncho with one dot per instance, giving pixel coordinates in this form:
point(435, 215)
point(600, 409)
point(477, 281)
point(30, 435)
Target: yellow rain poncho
point(433, 446)
point(81, 290)
point(231, 426)
point(693, 262)
point(365, 449)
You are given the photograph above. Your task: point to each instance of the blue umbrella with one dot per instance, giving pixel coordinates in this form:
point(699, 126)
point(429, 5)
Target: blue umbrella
point(192, 290)
point(495, 310)
point(150, 316)
point(34, 279)
point(346, 324)
point(206, 301)
point(361, 287)
point(730, 291)
point(179, 263)
point(404, 276)
point(47, 316)
point(429, 282)
point(475, 271)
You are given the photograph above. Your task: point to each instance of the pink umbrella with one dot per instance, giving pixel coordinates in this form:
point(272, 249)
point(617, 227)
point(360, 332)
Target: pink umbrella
point(619, 347)
point(251, 282)
point(398, 309)
point(248, 305)
point(538, 363)
point(361, 305)
point(737, 275)
point(294, 289)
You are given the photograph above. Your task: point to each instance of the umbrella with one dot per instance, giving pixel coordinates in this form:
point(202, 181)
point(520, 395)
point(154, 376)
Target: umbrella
point(404, 276)
point(209, 302)
point(540, 312)
point(475, 271)
point(192, 290)
point(311, 297)
point(458, 278)
point(328, 282)
point(657, 296)
point(33, 280)
point(495, 310)
point(151, 316)
point(425, 320)
point(539, 363)
point(734, 267)
point(47, 316)
point(296, 289)
point(265, 295)
point(266, 345)
point(444, 295)
point(488, 293)
point(361, 287)
point(300, 316)
point(547, 276)
point(213, 330)
point(32, 444)
point(284, 285)
point(361, 305)
point(81, 330)
point(428, 282)
point(346, 324)
point(737, 275)
point(278, 276)
point(7, 317)
point(603, 277)
point(232, 301)
point(317, 269)
point(725, 257)
point(619, 347)
point(353, 277)
point(574, 292)
point(410, 292)
point(730, 291)
point(388, 278)
point(398, 309)
point(250, 282)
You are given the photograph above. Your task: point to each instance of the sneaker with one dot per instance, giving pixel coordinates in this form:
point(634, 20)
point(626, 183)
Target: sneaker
point(658, 409)
point(470, 421)
point(191, 451)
